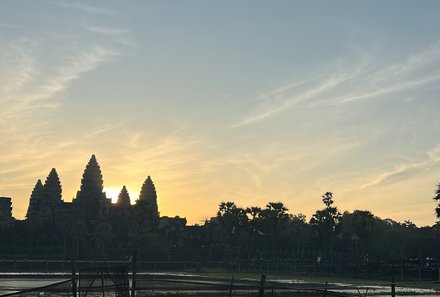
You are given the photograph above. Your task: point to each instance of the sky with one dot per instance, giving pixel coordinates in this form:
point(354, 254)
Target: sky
point(244, 101)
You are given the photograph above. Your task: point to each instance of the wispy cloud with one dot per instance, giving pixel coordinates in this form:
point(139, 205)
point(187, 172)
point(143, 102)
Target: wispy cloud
point(108, 31)
point(406, 170)
point(285, 97)
point(352, 81)
point(118, 35)
point(106, 128)
point(87, 8)
point(23, 98)
point(37, 67)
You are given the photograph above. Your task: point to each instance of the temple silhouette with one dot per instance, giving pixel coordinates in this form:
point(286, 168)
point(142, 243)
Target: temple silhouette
point(91, 222)
point(91, 203)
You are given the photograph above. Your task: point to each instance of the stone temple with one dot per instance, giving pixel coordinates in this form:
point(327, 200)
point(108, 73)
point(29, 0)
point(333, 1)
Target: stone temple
point(90, 203)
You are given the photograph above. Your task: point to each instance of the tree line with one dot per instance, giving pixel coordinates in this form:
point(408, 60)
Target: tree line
point(247, 234)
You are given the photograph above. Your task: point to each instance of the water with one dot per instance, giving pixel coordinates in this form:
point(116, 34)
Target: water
point(15, 283)
point(11, 285)
point(371, 290)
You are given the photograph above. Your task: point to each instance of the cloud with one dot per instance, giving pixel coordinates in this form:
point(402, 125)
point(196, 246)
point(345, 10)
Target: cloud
point(407, 170)
point(22, 98)
point(120, 36)
point(88, 8)
point(347, 82)
point(409, 72)
point(398, 87)
point(283, 98)
point(106, 128)
point(36, 68)
point(108, 31)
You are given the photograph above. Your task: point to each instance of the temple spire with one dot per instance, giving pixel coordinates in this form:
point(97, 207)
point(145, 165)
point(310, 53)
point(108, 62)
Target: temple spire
point(52, 189)
point(51, 199)
point(149, 197)
point(91, 197)
point(92, 182)
point(123, 197)
point(35, 200)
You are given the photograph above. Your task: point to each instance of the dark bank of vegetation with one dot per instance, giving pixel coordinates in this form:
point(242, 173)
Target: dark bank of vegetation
point(251, 238)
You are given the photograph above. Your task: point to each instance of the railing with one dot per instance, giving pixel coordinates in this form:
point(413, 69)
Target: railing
point(402, 270)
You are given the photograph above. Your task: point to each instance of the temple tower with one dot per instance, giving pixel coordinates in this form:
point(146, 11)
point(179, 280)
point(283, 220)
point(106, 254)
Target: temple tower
point(45, 200)
point(35, 201)
point(148, 197)
point(91, 197)
point(123, 198)
point(52, 191)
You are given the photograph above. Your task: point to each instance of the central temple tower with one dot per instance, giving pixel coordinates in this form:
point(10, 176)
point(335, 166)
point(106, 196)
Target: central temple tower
point(91, 197)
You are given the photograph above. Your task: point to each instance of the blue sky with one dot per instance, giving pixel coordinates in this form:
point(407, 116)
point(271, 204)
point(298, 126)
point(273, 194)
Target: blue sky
point(250, 101)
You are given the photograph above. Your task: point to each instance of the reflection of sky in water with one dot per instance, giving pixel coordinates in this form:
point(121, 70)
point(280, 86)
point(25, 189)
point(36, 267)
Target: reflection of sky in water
point(372, 290)
point(10, 285)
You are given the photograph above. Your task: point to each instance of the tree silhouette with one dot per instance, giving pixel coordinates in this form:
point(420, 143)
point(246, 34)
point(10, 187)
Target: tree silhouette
point(274, 220)
point(232, 218)
point(324, 221)
point(357, 229)
point(234, 222)
point(437, 199)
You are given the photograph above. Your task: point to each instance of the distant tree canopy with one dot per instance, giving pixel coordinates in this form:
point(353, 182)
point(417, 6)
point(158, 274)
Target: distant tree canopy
point(437, 199)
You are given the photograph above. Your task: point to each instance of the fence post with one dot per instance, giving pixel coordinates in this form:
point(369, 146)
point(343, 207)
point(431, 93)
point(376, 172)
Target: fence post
point(262, 283)
point(102, 284)
point(325, 290)
point(73, 278)
point(393, 287)
point(231, 286)
point(133, 280)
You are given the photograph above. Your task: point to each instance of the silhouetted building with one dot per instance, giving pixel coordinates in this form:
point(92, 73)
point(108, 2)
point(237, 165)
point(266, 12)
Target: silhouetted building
point(91, 198)
point(173, 230)
point(148, 197)
point(123, 198)
point(35, 201)
point(122, 218)
point(45, 200)
point(91, 216)
point(5, 211)
point(52, 194)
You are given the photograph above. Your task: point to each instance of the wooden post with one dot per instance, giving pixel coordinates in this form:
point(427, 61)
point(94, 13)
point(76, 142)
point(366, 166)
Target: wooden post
point(325, 290)
point(393, 287)
point(231, 286)
point(262, 283)
point(102, 284)
point(73, 278)
point(133, 280)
